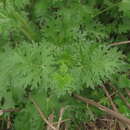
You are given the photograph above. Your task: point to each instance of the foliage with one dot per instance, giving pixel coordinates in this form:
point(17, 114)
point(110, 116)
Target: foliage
point(50, 49)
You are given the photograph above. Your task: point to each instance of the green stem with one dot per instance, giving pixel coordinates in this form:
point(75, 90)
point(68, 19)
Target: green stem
point(106, 9)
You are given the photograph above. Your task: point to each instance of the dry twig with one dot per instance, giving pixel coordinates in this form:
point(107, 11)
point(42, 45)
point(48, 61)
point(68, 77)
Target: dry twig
point(50, 119)
point(60, 116)
point(42, 114)
point(119, 43)
point(124, 99)
point(103, 108)
point(110, 99)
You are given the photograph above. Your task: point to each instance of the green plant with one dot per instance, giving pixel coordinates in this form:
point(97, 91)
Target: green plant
point(51, 49)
